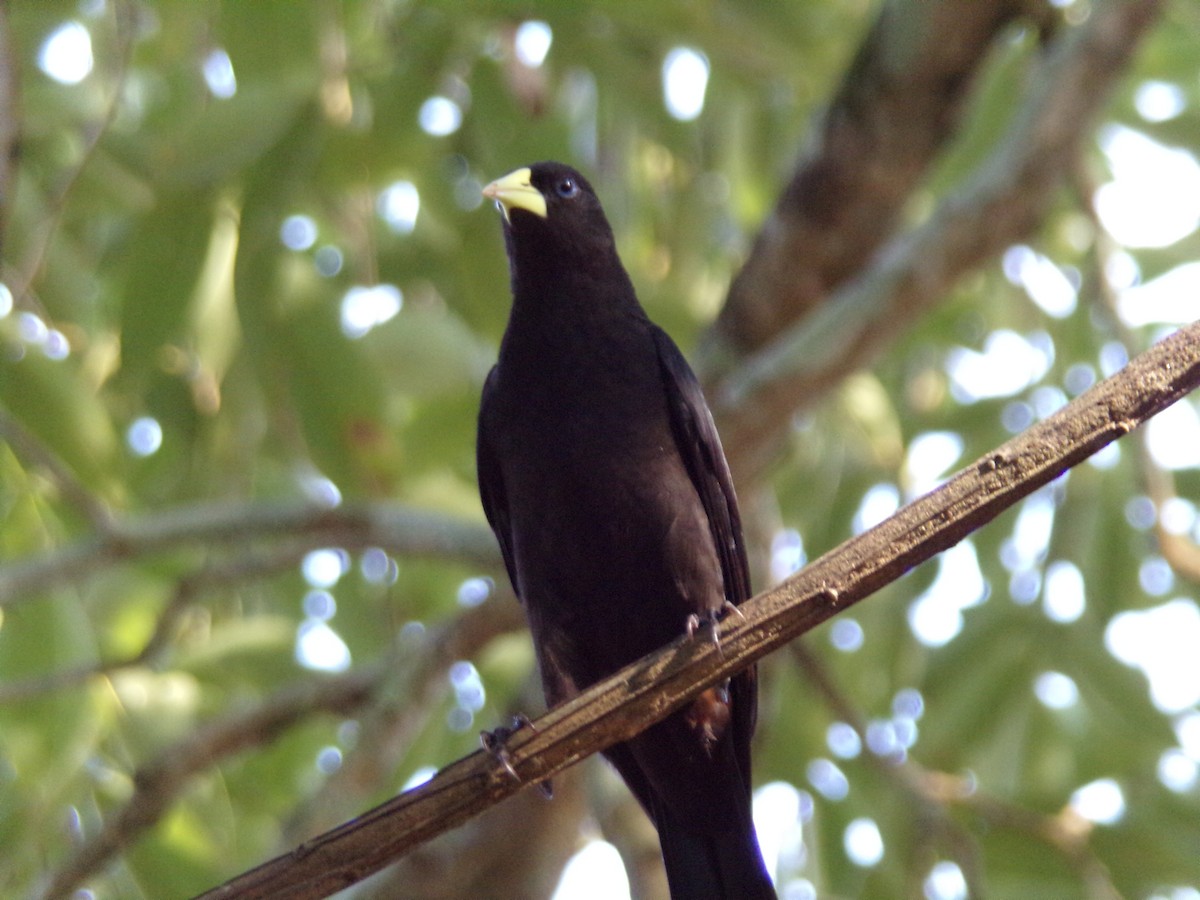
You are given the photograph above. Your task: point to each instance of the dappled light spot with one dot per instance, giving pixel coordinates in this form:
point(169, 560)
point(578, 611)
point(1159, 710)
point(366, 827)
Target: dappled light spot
point(319, 605)
point(1154, 197)
point(329, 760)
point(31, 328)
point(328, 260)
point(1177, 771)
point(908, 703)
point(218, 74)
point(1063, 597)
point(879, 502)
point(863, 843)
point(6, 300)
point(1025, 586)
point(377, 567)
point(1079, 378)
point(66, 55)
point(1156, 576)
point(1177, 515)
point(843, 741)
point(440, 116)
point(685, 80)
point(787, 554)
point(929, 457)
point(846, 634)
point(1055, 690)
point(798, 889)
point(1173, 298)
point(945, 882)
point(56, 346)
point(1141, 513)
point(419, 777)
point(1106, 457)
point(1114, 356)
point(778, 813)
point(398, 205)
point(475, 591)
point(459, 719)
point(320, 648)
point(1017, 416)
point(1161, 642)
point(1047, 285)
point(144, 436)
point(1159, 101)
point(1008, 363)
point(827, 779)
point(596, 872)
point(935, 617)
point(324, 568)
point(1173, 436)
point(319, 489)
point(468, 687)
point(365, 308)
point(298, 232)
point(1187, 731)
point(532, 42)
point(883, 739)
point(1031, 532)
point(1101, 801)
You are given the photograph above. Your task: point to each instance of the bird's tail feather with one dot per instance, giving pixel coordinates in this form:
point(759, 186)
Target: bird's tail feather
point(703, 864)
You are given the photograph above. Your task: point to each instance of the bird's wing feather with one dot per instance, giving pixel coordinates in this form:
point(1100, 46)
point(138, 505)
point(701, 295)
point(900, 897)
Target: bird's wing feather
point(491, 485)
point(700, 447)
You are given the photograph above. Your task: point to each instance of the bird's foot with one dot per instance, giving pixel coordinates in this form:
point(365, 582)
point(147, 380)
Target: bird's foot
point(713, 618)
point(495, 742)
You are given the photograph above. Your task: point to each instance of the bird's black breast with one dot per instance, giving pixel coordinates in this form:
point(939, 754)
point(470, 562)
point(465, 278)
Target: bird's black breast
point(610, 545)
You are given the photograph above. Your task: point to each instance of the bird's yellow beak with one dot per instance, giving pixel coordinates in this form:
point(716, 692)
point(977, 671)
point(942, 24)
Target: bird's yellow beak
point(516, 191)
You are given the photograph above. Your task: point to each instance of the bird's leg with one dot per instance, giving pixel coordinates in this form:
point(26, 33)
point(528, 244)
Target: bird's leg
point(495, 742)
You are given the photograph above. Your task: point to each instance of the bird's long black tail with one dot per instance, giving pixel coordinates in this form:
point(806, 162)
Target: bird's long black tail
point(703, 864)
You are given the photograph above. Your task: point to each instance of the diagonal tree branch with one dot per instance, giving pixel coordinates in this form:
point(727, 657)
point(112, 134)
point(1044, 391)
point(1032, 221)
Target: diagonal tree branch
point(1004, 201)
point(646, 691)
point(900, 103)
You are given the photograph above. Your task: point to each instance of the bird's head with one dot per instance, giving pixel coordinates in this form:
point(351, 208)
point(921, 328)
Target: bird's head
point(550, 209)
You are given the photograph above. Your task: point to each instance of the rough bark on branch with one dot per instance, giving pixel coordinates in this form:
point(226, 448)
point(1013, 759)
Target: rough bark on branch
point(646, 691)
point(899, 103)
point(1005, 200)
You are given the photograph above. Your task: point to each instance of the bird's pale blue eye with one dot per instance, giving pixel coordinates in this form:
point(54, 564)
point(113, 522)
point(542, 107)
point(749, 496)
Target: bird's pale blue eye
point(567, 188)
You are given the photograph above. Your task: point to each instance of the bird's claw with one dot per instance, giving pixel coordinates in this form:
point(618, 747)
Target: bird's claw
point(495, 742)
point(713, 617)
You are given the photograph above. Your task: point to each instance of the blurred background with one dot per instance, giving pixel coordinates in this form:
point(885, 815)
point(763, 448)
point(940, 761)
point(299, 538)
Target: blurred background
point(249, 293)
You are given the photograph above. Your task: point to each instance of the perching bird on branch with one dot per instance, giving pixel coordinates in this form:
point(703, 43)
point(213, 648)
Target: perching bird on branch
point(603, 478)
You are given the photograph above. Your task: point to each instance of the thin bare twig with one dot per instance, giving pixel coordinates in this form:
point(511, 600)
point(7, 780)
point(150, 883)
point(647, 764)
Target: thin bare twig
point(124, 14)
point(401, 530)
point(26, 445)
point(156, 785)
point(239, 570)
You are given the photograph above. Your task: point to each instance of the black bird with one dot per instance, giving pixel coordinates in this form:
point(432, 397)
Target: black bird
point(604, 480)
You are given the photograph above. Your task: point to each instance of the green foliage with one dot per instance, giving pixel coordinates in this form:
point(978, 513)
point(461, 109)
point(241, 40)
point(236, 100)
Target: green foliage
point(145, 230)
